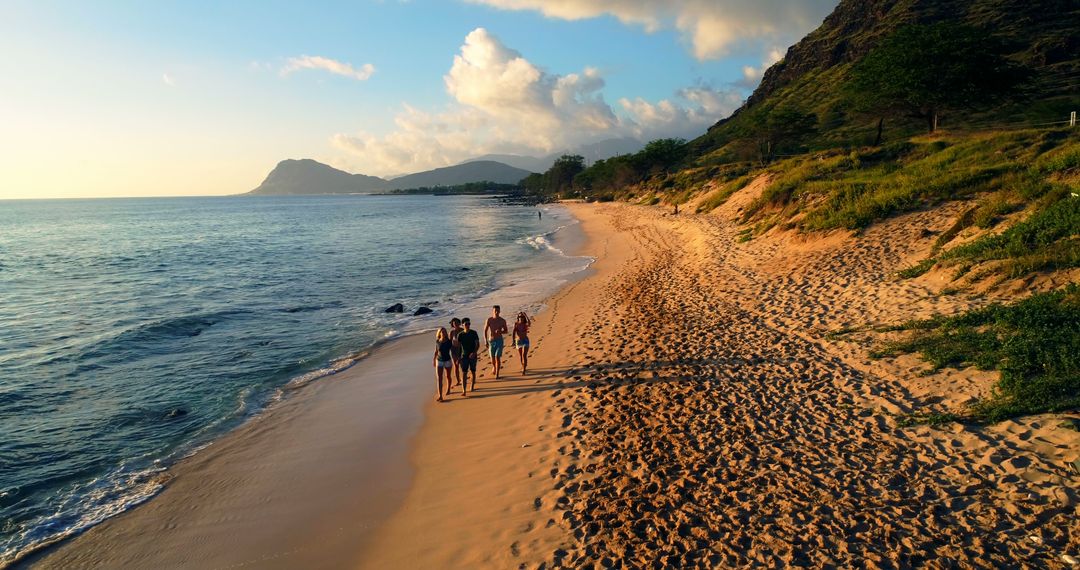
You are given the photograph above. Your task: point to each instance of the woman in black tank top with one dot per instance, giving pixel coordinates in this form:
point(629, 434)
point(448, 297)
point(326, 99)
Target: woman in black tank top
point(442, 362)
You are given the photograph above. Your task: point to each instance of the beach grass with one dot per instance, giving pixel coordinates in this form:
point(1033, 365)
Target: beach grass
point(1045, 240)
point(1034, 344)
point(851, 190)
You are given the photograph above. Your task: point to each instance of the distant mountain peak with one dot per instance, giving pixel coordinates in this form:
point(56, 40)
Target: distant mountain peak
point(307, 176)
point(592, 152)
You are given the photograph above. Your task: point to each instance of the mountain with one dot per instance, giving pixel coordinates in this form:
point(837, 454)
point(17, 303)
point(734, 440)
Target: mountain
point(306, 176)
point(479, 171)
point(1040, 36)
point(592, 152)
point(604, 149)
point(529, 163)
point(1042, 32)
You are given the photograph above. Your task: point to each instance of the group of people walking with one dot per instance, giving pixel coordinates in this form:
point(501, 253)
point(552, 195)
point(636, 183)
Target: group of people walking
point(457, 350)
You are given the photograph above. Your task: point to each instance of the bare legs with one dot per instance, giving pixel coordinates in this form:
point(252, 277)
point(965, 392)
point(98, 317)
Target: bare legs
point(523, 356)
point(439, 381)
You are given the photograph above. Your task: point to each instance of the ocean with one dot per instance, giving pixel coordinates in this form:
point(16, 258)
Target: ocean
point(135, 331)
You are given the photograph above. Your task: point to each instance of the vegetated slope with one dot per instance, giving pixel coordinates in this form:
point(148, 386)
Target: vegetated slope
point(1038, 35)
point(1011, 181)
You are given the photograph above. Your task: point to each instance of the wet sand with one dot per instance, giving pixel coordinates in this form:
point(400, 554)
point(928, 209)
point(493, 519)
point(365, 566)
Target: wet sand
point(687, 407)
point(302, 486)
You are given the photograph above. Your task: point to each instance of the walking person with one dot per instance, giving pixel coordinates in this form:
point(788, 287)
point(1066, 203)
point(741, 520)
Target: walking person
point(494, 331)
point(520, 339)
point(441, 361)
point(455, 349)
point(470, 346)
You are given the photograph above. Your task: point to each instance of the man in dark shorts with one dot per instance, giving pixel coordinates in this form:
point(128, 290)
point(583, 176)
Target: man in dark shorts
point(470, 345)
point(455, 349)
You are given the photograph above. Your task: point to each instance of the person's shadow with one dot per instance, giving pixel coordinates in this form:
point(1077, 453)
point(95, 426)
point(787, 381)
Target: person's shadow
point(596, 375)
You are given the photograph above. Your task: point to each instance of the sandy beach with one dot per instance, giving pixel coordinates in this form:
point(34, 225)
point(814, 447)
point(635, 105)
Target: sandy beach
point(303, 485)
point(686, 407)
point(688, 410)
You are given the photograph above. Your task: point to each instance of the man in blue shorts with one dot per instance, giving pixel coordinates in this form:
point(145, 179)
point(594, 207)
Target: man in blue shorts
point(470, 346)
point(494, 331)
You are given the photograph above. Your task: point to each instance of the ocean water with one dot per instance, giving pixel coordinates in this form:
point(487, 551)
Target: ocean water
point(134, 331)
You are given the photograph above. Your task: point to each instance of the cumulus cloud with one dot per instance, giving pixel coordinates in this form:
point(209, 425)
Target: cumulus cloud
point(712, 28)
point(751, 74)
point(504, 103)
point(294, 64)
point(168, 80)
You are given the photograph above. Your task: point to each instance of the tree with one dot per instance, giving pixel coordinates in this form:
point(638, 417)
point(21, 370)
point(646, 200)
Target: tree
point(923, 70)
point(781, 128)
point(533, 183)
point(560, 177)
point(661, 155)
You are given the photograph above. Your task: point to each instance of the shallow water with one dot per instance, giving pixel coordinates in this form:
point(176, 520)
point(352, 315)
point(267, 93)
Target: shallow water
point(133, 331)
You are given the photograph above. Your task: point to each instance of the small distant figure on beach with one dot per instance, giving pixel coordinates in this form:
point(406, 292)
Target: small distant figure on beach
point(539, 215)
point(455, 350)
point(470, 346)
point(676, 209)
point(442, 362)
point(521, 339)
point(494, 331)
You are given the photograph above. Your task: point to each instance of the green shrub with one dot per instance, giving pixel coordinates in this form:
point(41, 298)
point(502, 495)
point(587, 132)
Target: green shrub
point(1035, 344)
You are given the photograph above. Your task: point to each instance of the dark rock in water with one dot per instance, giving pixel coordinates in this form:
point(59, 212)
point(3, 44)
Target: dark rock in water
point(422, 311)
point(395, 308)
point(177, 413)
point(466, 269)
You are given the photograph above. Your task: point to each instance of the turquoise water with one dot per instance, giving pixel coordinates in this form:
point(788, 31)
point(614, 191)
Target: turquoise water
point(132, 331)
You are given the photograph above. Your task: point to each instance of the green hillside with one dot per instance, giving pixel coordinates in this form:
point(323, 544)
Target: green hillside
point(893, 106)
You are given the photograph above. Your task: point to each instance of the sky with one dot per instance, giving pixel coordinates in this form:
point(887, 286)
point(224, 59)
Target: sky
point(194, 97)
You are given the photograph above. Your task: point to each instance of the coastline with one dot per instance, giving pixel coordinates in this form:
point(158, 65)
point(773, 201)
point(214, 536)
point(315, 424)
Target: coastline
point(688, 408)
point(745, 436)
point(302, 484)
point(483, 482)
point(220, 497)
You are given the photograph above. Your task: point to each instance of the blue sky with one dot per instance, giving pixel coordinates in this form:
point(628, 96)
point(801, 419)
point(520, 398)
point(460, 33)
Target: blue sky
point(171, 98)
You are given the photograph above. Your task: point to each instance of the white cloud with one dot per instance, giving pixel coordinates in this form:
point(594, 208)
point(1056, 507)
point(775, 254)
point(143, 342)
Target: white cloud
point(294, 64)
point(752, 75)
point(504, 103)
point(713, 28)
point(168, 80)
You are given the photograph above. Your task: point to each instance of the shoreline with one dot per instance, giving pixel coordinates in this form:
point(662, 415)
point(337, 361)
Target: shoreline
point(745, 436)
point(504, 445)
point(109, 539)
point(258, 494)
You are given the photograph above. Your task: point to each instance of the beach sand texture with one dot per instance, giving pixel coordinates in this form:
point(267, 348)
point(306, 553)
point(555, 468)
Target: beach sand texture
point(686, 408)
